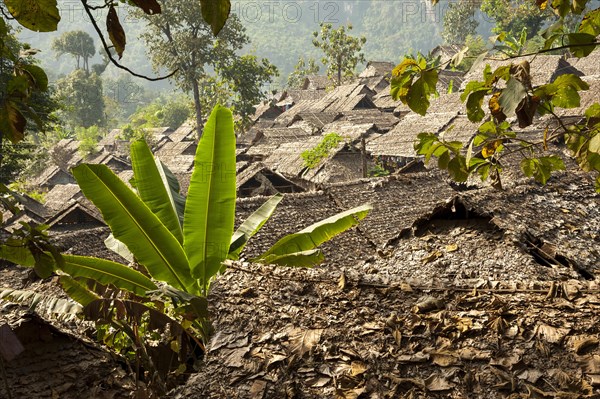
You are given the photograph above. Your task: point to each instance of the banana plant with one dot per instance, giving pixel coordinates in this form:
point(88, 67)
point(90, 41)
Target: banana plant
point(182, 242)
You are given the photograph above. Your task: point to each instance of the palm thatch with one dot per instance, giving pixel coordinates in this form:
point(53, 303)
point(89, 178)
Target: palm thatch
point(399, 141)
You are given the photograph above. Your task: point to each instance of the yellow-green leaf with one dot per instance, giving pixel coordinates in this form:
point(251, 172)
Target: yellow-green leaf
point(36, 15)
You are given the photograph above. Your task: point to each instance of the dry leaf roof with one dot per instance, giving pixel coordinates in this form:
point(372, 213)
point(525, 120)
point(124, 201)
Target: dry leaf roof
point(60, 194)
point(588, 66)
point(543, 68)
point(377, 68)
point(400, 140)
point(185, 132)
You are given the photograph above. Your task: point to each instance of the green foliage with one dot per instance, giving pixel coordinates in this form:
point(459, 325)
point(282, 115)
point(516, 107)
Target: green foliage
point(459, 22)
point(88, 140)
point(513, 16)
point(78, 44)
point(313, 157)
point(302, 69)
point(81, 95)
point(379, 171)
point(512, 93)
point(23, 88)
point(414, 82)
point(245, 79)
point(171, 111)
point(342, 52)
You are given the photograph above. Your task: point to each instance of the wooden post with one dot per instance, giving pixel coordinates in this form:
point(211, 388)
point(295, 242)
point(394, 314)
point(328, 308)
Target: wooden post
point(363, 151)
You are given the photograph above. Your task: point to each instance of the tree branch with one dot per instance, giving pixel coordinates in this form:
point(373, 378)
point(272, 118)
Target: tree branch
point(106, 48)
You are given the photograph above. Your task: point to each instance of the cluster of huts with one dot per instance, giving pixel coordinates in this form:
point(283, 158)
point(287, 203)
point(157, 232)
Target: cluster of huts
point(420, 227)
point(375, 129)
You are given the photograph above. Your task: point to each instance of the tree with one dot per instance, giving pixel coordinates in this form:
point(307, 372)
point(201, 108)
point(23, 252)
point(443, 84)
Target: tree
point(512, 16)
point(459, 22)
point(179, 39)
point(76, 43)
point(81, 94)
point(302, 69)
point(509, 91)
point(342, 51)
point(170, 111)
point(88, 140)
point(246, 77)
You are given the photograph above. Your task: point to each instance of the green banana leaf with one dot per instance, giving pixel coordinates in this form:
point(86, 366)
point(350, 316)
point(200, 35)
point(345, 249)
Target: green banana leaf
point(151, 188)
point(77, 291)
point(100, 270)
point(296, 259)
point(108, 272)
point(318, 233)
point(134, 224)
point(119, 248)
point(210, 208)
point(172, 185)
point(17, 254)
point(252, 225)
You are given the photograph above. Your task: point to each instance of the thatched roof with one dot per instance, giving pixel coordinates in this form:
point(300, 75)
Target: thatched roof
point(351, 131)
point(400, 140)
point(375, 83)
point(257, 179)
point(543, 68)
point(446, 77)
point(77, 214)
point(377, 68)
point(59, 195)
point(345, 98)
point(447, 103)
point(291, 97)
point(68, 145)
point(282, 135)
point(179, 163)
point(587, 66)
point(110, 138)
point(382, 121)
point(316, 82)
point(266, 110)
point(460, 129)
point(111, 160)
point(315, 120)
point(174, 149)
point(261, 150)
point(185, 132)
point(51, 176)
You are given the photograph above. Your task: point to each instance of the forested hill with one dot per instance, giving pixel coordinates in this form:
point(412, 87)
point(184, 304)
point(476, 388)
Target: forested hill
point(279, 30)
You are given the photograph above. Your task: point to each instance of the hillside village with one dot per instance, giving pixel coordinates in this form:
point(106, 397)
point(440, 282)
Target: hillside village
point(438, 276)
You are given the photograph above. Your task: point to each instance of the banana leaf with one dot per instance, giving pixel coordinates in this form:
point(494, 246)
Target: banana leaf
point(77, 291)
point(108, 272)
point(119, 248)
point(252, 225)
point(172, 185)
point(318, 233)
point(134, 224)
point(210, 208)
point(295, 259)
point(150, 186)
point(41, 303)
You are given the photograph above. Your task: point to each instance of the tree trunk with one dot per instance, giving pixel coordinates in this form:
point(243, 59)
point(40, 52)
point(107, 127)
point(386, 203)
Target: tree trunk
point(198, 108)
point(339, 69)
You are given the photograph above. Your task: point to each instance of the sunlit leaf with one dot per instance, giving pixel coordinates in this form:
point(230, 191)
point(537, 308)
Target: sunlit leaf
point(36, 15)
